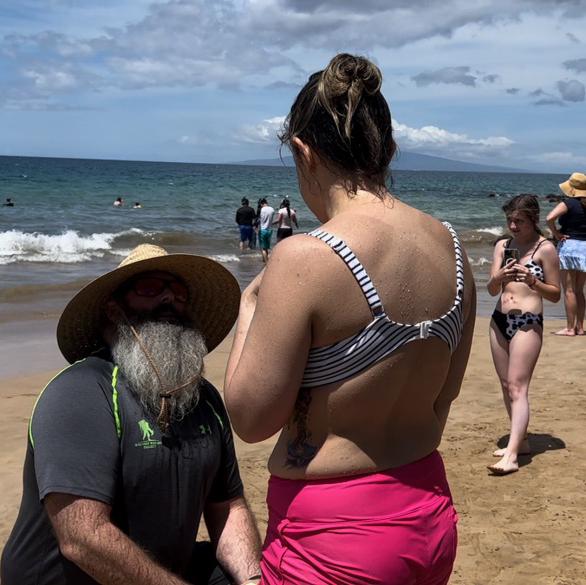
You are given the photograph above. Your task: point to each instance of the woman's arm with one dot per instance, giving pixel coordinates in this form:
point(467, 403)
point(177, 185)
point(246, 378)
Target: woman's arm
point(559, 210)
point(551, 288)
point(498, 275)
point(272, 341)
point(294, 218)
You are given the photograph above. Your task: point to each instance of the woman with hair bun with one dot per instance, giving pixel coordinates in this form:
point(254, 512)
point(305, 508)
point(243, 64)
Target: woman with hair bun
point(358, 492)
point(524, 272)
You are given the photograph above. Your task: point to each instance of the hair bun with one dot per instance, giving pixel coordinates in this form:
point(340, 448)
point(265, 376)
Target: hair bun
point(342, 85)
point(346, 72)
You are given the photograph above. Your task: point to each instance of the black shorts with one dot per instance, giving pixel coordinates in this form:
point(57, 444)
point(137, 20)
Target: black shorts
point(283, 233)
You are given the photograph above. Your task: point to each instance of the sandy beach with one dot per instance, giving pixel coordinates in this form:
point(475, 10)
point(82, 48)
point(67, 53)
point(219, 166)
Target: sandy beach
point(526, 528)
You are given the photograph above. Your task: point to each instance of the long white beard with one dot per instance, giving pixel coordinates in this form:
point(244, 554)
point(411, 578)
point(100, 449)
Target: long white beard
point(176, 351)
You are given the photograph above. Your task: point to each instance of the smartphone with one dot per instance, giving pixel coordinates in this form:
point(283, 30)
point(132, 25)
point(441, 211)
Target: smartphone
point(512, 255)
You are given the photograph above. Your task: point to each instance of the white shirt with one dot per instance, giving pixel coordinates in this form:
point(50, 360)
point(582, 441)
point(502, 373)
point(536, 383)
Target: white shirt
point(266, 217)
point(286, 221)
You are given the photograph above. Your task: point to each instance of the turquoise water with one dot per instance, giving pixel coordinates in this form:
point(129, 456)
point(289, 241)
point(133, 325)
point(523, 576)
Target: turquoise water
point(63, 229)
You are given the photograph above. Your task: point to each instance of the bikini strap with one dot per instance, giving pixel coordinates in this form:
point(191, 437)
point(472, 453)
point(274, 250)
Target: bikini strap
point(358, 271)
point(459, 262)
point(538, 246)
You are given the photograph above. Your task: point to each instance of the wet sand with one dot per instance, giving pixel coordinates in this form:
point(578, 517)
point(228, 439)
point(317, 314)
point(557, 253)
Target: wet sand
point(528, 528)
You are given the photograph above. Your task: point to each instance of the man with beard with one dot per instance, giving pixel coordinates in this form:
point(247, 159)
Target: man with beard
point(130, 445)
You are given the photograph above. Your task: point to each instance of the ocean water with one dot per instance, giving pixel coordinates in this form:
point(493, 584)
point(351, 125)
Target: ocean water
point(63, 229)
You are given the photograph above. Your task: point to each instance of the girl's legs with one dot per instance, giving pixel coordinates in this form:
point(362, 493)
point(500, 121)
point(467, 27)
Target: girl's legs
point(568, 278)
point(499, 347)
point(580, 302)
point(524, 350)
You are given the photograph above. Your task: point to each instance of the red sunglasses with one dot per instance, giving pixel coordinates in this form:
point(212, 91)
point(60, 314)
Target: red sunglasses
point(153, 286)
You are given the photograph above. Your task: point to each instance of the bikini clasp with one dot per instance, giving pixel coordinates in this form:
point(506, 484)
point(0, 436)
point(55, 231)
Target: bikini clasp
point(424, 328)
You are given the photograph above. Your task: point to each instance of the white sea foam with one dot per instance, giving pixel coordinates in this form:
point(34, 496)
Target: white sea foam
point(224, 258)
point(495, 231)
point(482, 261)
point(69, 247)
point(123, 252)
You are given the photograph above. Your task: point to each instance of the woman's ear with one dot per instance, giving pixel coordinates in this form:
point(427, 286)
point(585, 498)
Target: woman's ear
point(303, 153)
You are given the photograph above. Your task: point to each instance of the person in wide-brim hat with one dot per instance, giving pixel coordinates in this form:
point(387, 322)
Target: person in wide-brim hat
point(571, 237)
point(212, 306)
point(575, 186)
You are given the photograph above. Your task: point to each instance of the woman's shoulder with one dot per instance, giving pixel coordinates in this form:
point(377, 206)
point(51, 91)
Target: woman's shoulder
point(502, 242)
point(304, 254)
point(546, 246)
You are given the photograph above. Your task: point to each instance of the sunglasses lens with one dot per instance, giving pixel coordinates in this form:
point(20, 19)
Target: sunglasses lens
point(152, 287)
point(148, 287)
point(179, 290)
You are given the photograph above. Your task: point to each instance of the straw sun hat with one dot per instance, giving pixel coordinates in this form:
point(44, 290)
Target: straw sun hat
point(214, 297)
point(575, 186)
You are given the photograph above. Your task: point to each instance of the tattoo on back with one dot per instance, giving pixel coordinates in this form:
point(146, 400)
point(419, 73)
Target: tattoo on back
point(300, 451)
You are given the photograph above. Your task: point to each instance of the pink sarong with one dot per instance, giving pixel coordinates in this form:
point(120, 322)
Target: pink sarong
point(396, 527)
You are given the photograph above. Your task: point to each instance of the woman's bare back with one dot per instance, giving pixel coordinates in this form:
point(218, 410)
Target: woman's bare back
point(394, 412)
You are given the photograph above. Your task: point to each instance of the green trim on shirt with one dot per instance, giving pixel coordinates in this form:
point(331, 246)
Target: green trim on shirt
point(217, 415)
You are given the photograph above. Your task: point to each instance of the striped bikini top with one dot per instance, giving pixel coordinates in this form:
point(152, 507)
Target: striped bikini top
point(382, 336)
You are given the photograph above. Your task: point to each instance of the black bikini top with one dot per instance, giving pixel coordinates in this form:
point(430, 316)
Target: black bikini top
point(534, 268)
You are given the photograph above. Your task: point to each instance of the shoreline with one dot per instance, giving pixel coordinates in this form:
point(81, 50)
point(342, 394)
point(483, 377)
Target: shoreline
point(34, 332)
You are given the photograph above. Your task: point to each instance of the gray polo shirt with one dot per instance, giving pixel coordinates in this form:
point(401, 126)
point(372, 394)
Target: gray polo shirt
point(90, 437)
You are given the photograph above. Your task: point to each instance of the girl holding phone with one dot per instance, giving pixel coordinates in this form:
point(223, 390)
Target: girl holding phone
point(524, 271)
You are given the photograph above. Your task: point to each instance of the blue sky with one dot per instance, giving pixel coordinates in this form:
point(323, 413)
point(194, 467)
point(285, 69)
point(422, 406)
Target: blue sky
point(497, 82)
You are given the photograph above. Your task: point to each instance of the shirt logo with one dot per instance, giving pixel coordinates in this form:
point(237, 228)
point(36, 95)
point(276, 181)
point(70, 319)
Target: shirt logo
point(147, 431)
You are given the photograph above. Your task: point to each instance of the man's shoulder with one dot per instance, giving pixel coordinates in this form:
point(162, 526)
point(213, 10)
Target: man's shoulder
point(208, 391)
point(210, 396)
point(82, 373)
point(84, 386)
point(92, 364)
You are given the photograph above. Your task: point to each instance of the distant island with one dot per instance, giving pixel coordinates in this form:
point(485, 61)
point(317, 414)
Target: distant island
point(408, 161)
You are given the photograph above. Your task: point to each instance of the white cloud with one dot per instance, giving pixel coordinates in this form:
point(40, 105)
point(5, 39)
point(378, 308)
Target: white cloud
point(51, 80)
point(424, 138)
point(322, 23)
point(194, 138)
point(263, 133)
point(197, 42)
point(436, 139)
point(171, 55)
